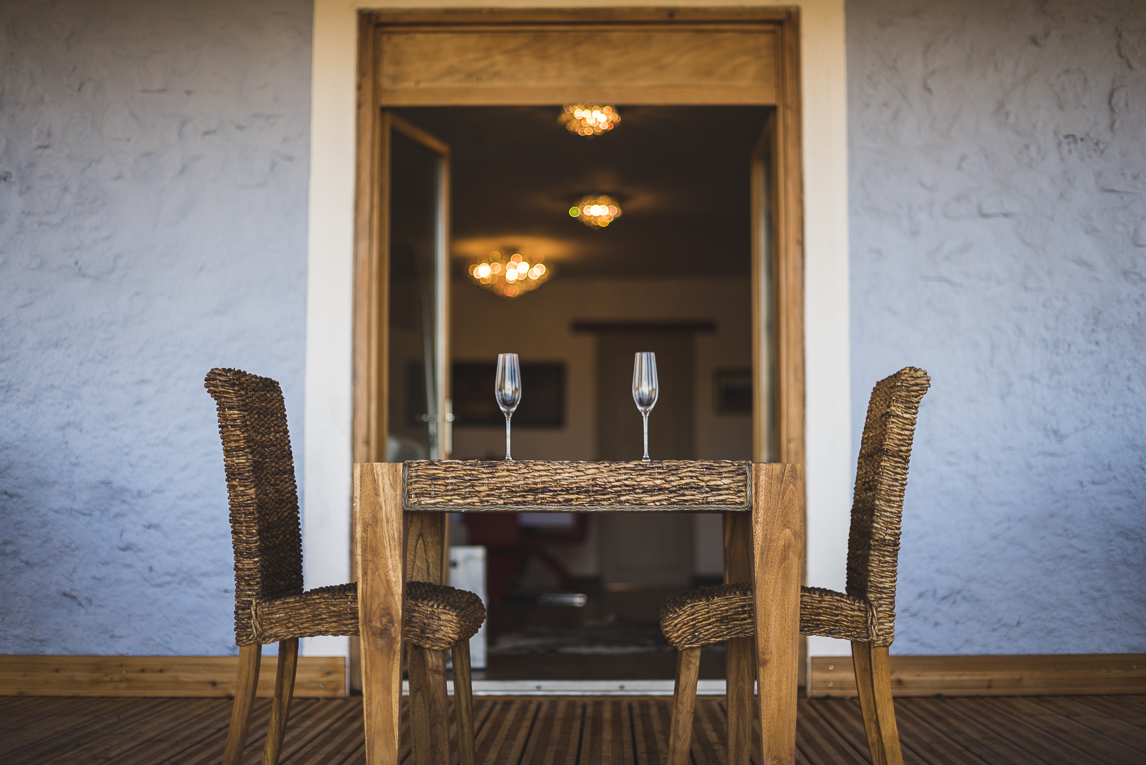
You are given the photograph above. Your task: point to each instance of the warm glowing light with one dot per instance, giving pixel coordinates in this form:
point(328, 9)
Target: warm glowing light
point(512, 278)
point(589, 119)
point(596, 211)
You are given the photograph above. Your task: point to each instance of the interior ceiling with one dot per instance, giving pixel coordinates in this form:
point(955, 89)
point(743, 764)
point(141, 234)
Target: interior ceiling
point(680, 175)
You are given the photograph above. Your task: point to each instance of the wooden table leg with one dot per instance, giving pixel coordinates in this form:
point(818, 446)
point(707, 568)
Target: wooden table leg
point(777, 537)
point(379, 551)
point(425, 562)
point(739, 661)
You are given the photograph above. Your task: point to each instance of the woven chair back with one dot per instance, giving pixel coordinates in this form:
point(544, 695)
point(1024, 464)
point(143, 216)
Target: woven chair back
point(877, 507)
point(261, 488)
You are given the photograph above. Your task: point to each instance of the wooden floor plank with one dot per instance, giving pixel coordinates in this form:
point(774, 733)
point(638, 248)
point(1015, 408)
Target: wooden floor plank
point(120, 744)
point(208, 750)
point(186, 731)
point(1068, 730)
point(709, 733)
point(335, 739)
point(305, 723)
point(924, 740)
point(15, 709)
point(45, 715)
point(990, 744)
point(1028, 735)
point(610, 734)
point(1131, 713)
point(537, 744)
point(650, 741)
point(1103, 724)
point(513, 726)
point(568, 747)
point(822, 742)
point(608, 738)
point(844, 716)
point(580, 731)
point(108, 718)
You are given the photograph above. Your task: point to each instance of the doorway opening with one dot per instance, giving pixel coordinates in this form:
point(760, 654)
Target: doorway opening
point(726, 58)
point(672, 275)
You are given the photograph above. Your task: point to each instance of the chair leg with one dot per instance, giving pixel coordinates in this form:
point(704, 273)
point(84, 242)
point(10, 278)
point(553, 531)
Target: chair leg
point(284, 689)
point(429, 706)
point(740, 671)
point(884, 707)
point(873, 679)
point(683, 704)
point(245, 686)
point(464, 703)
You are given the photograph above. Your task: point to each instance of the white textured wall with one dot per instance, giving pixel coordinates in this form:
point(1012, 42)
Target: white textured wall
point(998, 228)
point(153, 196)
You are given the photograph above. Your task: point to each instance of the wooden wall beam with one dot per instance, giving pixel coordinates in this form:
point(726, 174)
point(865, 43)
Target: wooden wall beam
point(1022, 675)
point(187, 676)
point(319, 677)
point(533, 17)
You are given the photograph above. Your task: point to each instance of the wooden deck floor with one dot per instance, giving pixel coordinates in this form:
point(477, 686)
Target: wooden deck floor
point(1104, 730)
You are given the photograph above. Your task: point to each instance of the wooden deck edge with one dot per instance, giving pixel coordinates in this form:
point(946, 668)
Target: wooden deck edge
point(1018, 675)
point(179, 676)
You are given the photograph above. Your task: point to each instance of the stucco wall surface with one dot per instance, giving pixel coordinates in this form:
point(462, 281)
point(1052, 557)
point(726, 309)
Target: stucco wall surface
point(998, 227)
point(153, 195)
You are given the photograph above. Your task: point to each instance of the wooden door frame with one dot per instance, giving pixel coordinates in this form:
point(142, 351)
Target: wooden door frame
point(370, 298)
point(786, 197)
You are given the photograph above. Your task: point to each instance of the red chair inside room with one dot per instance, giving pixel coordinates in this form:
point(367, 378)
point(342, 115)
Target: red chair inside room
point(510, 543)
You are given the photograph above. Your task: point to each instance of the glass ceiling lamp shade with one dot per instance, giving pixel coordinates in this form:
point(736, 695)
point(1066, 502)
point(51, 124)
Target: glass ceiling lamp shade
point(589, 119)
point(509, 277)
point(596, 211)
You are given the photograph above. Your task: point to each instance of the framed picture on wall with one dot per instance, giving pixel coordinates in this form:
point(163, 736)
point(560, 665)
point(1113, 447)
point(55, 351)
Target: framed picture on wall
point(732, 391)
point(542, 395)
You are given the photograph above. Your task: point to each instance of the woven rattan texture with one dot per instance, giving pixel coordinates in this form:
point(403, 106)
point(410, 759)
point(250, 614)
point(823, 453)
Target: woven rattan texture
point(835, 614)
point(261, 488)
point(325, 611)
point(586, 486)
point(707, 615)
point(866, 613)
point(435, 616)
point(877, 507)
point(438, 617)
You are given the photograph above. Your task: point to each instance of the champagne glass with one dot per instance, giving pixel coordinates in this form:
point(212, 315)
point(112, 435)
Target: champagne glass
point(645, 390)
point(508, 390)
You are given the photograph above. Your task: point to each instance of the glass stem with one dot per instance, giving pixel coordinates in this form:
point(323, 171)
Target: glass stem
point(507, 416)
point(645, 415)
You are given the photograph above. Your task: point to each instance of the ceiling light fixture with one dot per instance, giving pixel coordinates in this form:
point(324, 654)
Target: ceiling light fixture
point(589, 119)
point(596, 211)
point(510, 276)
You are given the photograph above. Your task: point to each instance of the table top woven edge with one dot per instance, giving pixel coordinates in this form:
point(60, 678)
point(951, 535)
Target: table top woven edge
point(574, 486)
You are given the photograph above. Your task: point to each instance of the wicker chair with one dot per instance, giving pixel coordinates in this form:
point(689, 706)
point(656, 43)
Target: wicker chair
point(864, 614)
point(270, 603)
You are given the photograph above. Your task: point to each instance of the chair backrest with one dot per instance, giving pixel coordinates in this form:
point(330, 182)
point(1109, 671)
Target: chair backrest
point(877, 506)
point(261, 488)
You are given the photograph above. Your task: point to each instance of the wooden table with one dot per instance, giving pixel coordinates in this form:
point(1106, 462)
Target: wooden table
point(400, 516)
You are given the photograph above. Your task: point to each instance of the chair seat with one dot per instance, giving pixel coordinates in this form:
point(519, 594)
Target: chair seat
point(436, 616)
point(707, 615)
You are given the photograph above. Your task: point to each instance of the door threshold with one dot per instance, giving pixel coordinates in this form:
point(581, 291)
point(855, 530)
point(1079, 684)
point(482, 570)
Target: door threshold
point(581, 687)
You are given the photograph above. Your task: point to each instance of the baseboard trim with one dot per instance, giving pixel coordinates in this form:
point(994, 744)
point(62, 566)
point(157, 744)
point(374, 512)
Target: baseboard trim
point(1018, 675)
point(186, 676)
point(319, 677)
